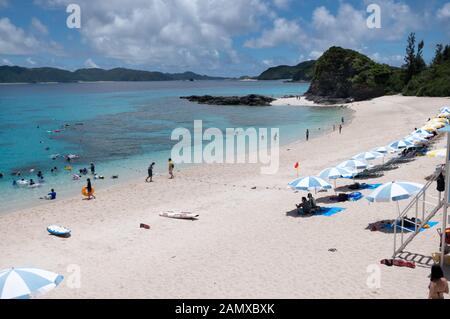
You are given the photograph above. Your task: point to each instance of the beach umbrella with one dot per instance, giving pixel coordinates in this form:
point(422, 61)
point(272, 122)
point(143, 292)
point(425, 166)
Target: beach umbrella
point(354, 165)
point(394, 192)
point(437, 153)
point(336, 172)
point(415, 138)
point(367, 156)
point(309, 183)
point(445, 109)
point(400, 144)
point(23, 283)
point(422, 133)
point(382, 150)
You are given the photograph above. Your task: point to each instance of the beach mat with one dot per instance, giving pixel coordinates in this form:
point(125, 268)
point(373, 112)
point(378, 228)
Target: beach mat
point(371, 186)
point(329, 211)
point(412, 229)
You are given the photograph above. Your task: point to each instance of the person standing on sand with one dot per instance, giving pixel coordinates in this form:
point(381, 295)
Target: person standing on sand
point(307, 134)
point(438, 284)
point(340, 129)
point(89, 189)
point(171, 167)
point(150, 173)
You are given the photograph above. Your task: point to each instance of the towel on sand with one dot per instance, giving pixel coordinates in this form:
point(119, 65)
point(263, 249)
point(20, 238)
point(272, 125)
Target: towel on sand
point(412, 229)
point(329, 211)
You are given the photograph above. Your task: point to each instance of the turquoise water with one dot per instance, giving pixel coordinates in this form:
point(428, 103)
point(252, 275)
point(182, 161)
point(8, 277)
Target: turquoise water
point(122, 127)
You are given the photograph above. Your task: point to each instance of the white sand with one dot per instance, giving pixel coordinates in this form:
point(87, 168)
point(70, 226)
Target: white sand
point(244, 245)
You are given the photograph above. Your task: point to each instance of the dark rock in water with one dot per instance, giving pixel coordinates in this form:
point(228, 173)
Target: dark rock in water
point(251, 100)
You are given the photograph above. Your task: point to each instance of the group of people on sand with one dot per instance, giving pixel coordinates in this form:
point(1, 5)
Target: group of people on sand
point(334, 128)
point(171, 167)
point(308, 206)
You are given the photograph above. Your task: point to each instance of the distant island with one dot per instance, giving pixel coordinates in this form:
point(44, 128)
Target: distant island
point(16, 74)
point(302, 72)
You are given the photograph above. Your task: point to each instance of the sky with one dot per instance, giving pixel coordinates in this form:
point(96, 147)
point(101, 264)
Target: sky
point(214, 37)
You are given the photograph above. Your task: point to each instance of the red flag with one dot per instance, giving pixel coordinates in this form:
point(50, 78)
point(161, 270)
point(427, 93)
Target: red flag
point(297, 165)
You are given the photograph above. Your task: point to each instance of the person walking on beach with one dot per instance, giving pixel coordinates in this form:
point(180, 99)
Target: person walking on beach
point(171, 168)
point(150, 173)
point(340, 129)
point(438, 284)
point(307, 134)
point(89, 189)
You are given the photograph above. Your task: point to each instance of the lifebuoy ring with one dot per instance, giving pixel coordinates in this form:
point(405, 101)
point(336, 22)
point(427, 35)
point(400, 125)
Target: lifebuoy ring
point(84, 192)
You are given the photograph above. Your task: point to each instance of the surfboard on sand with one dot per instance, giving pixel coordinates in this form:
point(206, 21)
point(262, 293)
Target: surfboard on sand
point(58, 231)
point(179, 215)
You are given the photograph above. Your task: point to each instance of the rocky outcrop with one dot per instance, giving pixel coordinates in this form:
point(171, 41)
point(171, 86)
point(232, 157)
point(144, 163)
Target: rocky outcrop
point(251, 100)
point(343, 75)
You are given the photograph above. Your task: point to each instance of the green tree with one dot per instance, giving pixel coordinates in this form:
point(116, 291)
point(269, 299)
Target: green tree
point(438, 54)
point(420, 62)
point(410, 58)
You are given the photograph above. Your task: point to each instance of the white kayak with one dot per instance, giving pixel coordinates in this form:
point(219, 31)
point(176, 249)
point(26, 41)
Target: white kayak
point(179, 215)
point(58, 230)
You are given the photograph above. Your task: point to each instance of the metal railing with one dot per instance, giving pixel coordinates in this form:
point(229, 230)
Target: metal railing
point(420, 198)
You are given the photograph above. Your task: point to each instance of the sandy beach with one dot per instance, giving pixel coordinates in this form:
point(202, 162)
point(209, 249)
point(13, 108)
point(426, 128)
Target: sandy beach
point(245, 244)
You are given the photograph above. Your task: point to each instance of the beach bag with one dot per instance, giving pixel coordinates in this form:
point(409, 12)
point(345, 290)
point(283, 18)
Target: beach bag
point(342, 197)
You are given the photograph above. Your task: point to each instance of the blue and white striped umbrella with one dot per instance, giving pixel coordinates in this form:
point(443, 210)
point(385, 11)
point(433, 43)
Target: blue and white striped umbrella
point(401, 144)
point(23, 283)
point(394, 191)
point(382, 150)
point(309, 183)
point(368, 156)
point(445, 109)
point(422, 133)
point(415, 138)
point(354, 165)
point(336, 172)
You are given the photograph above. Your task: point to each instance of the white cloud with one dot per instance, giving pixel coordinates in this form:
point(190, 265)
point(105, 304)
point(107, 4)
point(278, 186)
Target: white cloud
point(31, 61)
point(90, 64)
point(283, 31)
point(282, 4)
point(39, 26)
point(14, 40)
point(170, 33)
point(396, 59)
point(315, 54)
point(444, 12)
point(6, 62)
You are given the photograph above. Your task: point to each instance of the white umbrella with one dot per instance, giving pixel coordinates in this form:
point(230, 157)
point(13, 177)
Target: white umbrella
point(354, 165)
point(23, 283)
point(423, 133)
point(394, 192)
point(309, 183)
point(336, 172)
point(367, 156)
point(381, 150)
point(401, 144)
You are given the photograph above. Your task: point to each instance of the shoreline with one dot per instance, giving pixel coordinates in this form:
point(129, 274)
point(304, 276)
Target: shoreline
point(246, 244)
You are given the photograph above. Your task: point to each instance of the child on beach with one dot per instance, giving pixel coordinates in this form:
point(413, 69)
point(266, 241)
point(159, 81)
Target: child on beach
point(50, 196)
point(438, 284)
point(171, 167)
point(149, 178)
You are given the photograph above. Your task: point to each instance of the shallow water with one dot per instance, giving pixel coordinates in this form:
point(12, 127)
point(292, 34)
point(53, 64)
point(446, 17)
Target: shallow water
point(123, 126)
